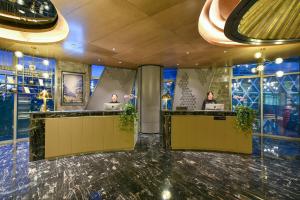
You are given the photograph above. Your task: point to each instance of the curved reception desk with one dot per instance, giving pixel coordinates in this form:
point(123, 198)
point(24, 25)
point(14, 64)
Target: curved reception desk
point(55, 134)
point(204, 130)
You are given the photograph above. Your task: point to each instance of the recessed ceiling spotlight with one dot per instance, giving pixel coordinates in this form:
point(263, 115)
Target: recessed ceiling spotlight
point(114, 49)
point(120, 62)
point(196, 64)
point(46, 62)
point(177, 64)
point(19, 67)
point(279, 73)
point(99, 59)
point(188, 52)
point(225, 51)
point(18, 54)
point(278, 60)
point(260, 67)
point(257, 55)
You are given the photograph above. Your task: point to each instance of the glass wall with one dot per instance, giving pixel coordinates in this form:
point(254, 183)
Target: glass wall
point(169, 81)
point(280, 95)
point(36, 76)
point(6, 97)
point(96, 72)
point(246, 91)
point(28, 76)
point(281, 105)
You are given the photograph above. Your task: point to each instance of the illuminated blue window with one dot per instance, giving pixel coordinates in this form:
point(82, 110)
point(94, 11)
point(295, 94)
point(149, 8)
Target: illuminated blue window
point(169, 80)
point(243, 70)
point(246, 92)
point(287, 66)
point(6, 58)
point(26, 61)
point(96, 73)
point(282, 105)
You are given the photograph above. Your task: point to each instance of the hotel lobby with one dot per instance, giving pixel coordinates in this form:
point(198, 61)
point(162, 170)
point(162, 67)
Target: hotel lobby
point(148, 99)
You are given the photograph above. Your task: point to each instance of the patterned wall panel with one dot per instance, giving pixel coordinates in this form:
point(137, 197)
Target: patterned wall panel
point(113, 81)
point(193, 84)
point(65, 66)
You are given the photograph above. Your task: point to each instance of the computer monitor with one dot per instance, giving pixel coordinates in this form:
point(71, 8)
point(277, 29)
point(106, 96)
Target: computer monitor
point(211, 106)
point(112, 106)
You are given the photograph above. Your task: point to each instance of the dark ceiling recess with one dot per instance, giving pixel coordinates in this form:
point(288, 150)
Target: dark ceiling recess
point(28, 14)
point(264, 22)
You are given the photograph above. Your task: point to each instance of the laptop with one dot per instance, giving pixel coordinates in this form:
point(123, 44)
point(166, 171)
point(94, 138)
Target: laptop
point(212, 106)
point(112, 106)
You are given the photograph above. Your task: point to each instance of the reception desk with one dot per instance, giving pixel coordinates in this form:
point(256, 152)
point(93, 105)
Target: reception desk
point(204, 130)
point(55, 134)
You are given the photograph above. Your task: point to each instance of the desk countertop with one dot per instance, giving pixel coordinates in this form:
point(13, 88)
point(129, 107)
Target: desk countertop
point(201, 112)
point(73, 113)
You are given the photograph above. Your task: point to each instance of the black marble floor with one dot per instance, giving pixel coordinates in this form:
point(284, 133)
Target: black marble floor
point(149, 172)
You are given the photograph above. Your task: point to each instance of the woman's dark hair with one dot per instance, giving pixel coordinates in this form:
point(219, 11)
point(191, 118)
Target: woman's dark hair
point(209, 92)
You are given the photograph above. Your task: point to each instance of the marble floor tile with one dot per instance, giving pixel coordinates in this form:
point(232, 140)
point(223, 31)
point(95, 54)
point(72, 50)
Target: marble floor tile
point(147, 173)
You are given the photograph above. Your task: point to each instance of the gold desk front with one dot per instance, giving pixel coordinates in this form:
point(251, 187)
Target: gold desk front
point(200, 132)
point(74, 135)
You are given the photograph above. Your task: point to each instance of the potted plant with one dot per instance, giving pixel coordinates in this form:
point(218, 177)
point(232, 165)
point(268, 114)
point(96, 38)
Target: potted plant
point(245, 118)
point(128, 117)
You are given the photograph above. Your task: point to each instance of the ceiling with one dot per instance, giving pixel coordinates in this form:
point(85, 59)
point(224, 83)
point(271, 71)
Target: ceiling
point(130, 33)
point(265, 22)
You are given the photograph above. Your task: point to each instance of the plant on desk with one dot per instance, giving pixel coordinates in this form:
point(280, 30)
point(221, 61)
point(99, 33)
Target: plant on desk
point(128, 117)
point(245, 118)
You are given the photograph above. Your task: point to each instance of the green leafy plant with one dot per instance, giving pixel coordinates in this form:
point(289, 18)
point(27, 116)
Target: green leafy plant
point(245, 118)
point(128, 117)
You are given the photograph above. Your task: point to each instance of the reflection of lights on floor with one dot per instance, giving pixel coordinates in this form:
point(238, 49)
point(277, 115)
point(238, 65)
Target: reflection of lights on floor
point(166, 194)
point(272, 150)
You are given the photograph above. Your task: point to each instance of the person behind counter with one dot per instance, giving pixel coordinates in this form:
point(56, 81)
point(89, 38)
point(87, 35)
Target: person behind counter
point(209, 99)
point(114, 98)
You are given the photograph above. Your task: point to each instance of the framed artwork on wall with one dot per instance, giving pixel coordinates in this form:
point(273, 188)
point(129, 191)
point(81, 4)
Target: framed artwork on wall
point(72, 88)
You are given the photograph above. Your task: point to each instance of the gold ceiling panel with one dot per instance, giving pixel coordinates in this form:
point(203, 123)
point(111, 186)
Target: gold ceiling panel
point(130, 33)
point(272, 20)
point(265, 22)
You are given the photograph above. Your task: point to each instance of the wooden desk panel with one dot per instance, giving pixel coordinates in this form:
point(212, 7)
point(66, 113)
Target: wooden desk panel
point(198, 132)
point(74, 135)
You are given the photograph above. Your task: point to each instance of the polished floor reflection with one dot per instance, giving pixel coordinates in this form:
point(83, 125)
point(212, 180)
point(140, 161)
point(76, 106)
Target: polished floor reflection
point(147, 173)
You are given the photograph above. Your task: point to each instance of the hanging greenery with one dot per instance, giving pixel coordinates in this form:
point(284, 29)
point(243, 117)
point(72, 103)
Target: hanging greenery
point(128, 117)
point(245, 118)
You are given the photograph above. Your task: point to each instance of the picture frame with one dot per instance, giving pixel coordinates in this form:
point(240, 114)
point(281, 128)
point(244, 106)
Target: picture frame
point(72, 89)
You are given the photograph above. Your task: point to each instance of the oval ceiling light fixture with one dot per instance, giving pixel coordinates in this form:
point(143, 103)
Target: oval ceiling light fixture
point(18, 54)
point(35, 21)
point(278, 61)
point(212, 21)
point(264, 22)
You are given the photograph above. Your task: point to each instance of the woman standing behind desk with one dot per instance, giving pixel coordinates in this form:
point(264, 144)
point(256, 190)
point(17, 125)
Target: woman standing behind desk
point(209, 99)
